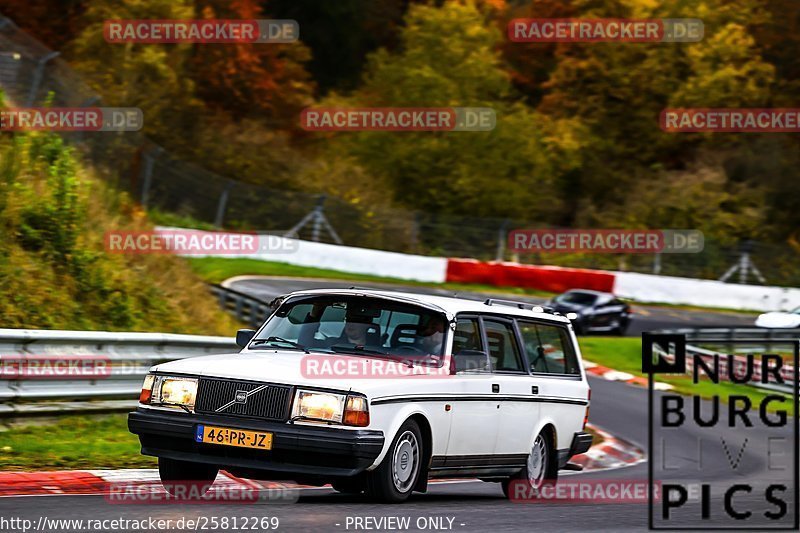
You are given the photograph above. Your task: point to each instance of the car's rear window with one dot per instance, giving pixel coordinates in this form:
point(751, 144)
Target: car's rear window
point(549, 349)
point(580, 298)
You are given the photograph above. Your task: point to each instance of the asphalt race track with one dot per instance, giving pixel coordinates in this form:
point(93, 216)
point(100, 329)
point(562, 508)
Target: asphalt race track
point(645, 317)
point(616, 407)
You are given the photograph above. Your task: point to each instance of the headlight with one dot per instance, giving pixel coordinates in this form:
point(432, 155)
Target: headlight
point(322, 406)
point(173, 390)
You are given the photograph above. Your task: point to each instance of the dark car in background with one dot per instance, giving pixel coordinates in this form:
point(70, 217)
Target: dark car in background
point(593, 311)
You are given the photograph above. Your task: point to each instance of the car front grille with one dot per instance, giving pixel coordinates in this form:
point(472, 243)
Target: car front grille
point(264, 400)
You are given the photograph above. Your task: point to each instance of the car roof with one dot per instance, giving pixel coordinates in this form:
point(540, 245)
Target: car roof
point(450, 305)
point(589, 291)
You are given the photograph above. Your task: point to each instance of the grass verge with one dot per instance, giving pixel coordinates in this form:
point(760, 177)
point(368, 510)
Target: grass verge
point(72, 442)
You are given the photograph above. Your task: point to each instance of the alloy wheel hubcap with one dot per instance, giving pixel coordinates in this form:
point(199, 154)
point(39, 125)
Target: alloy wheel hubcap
point(537, 462)
point(405, 461)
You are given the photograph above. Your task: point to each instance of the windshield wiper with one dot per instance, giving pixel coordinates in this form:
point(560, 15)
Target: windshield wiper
point(274, 339)
point(343, 348)
point(358, 350)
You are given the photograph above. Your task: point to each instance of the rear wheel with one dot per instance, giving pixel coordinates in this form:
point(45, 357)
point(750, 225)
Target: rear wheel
point(541, 469)
point(186, 480)
point(394, 480)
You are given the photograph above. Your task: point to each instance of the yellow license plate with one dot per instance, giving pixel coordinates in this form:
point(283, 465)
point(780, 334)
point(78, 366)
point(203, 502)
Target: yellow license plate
point(233, 437)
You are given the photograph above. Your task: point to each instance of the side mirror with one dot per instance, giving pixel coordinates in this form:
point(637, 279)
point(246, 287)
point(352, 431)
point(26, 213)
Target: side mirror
point(244, 336)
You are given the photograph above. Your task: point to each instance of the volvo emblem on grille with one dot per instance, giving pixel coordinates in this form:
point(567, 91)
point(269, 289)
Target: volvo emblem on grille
point(241, 397)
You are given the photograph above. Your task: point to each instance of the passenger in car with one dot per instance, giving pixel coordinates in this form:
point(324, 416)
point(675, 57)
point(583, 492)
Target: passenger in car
point(432, 335)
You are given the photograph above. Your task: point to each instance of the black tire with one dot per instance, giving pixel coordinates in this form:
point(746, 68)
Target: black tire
point(348, 485)
point(395, 478)
point(536, 474)
point(186, 480)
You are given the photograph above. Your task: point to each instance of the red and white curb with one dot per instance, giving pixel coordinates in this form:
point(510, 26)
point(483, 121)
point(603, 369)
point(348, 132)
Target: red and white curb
point(615, 375)
point(611, 453)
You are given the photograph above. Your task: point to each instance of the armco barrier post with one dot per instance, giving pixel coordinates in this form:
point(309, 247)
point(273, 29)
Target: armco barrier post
point(223, 204)
point(37, 77)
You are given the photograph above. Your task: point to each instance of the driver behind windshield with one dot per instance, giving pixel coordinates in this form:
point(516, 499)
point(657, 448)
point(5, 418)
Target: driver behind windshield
point(355, 330)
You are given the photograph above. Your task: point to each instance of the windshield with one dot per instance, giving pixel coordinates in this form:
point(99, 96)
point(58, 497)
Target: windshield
point(579, 298)
point(355, 325)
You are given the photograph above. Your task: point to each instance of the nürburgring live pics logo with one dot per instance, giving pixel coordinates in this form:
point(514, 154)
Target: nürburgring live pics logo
point(726, 458)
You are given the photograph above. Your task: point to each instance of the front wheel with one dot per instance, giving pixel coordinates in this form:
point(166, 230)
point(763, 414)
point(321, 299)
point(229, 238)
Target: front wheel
point(395, 478)
point(541, 469)
point(186, 480)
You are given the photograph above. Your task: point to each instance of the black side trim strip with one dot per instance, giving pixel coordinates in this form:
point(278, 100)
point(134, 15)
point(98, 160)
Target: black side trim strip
point(478, 461)
point(495, 397)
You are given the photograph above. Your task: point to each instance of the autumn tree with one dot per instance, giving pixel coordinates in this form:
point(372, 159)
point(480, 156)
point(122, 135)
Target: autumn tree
point(250, 79)
point(448, 57)
point(148, 76)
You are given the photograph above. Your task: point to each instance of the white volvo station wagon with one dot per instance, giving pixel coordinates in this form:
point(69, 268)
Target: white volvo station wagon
point(377, 392)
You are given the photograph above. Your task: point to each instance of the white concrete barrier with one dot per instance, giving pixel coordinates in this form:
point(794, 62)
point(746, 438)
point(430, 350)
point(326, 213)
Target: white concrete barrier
point(342, 258)
point(638, 287)
point(704, 293)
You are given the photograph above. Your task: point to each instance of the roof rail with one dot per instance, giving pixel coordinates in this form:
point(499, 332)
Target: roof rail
point(520, 305)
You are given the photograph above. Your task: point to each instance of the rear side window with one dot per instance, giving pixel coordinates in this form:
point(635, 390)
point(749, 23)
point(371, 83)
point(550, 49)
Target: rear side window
point(468, 353)
point(467, 337)
point(503, 350)
point(549, 349)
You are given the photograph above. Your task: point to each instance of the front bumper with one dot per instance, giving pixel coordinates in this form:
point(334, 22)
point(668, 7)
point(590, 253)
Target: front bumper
point(296, 449)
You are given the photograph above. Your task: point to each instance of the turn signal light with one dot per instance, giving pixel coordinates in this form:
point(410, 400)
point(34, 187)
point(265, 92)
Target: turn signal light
point(586, 416)
point(147, 389)
point(356, 412)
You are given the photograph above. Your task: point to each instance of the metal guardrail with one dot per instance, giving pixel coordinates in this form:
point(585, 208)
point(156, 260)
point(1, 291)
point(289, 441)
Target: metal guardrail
point(126, 357)
point(710, 342)
point(769, 335)
point(246, 308)
point(130, 355)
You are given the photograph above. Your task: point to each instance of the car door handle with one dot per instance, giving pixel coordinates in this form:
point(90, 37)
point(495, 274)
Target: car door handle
point(534, 389)
point(495, 387)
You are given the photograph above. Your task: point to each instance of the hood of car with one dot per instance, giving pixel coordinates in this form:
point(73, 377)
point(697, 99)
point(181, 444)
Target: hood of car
point(359, 373)
point(778, 319)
